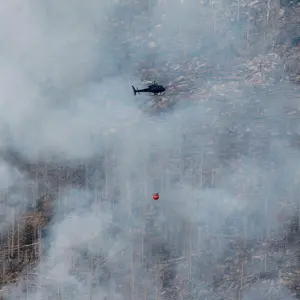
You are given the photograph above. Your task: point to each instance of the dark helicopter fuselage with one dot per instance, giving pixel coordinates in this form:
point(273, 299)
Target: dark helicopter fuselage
point(152, 88)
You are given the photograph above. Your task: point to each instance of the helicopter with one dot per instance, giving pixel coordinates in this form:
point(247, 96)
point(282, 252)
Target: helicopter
point(153, 88)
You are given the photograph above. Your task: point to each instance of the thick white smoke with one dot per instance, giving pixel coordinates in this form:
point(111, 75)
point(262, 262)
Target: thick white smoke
point(66, 92)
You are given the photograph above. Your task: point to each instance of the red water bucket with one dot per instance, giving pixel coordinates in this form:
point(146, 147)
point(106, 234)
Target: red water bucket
point(155, 196)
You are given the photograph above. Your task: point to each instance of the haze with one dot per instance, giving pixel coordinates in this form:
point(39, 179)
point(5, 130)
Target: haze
point(65, 93)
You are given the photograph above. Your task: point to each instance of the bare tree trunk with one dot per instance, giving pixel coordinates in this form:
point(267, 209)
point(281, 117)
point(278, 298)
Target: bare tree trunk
point(12, 238)
point(132, 274)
